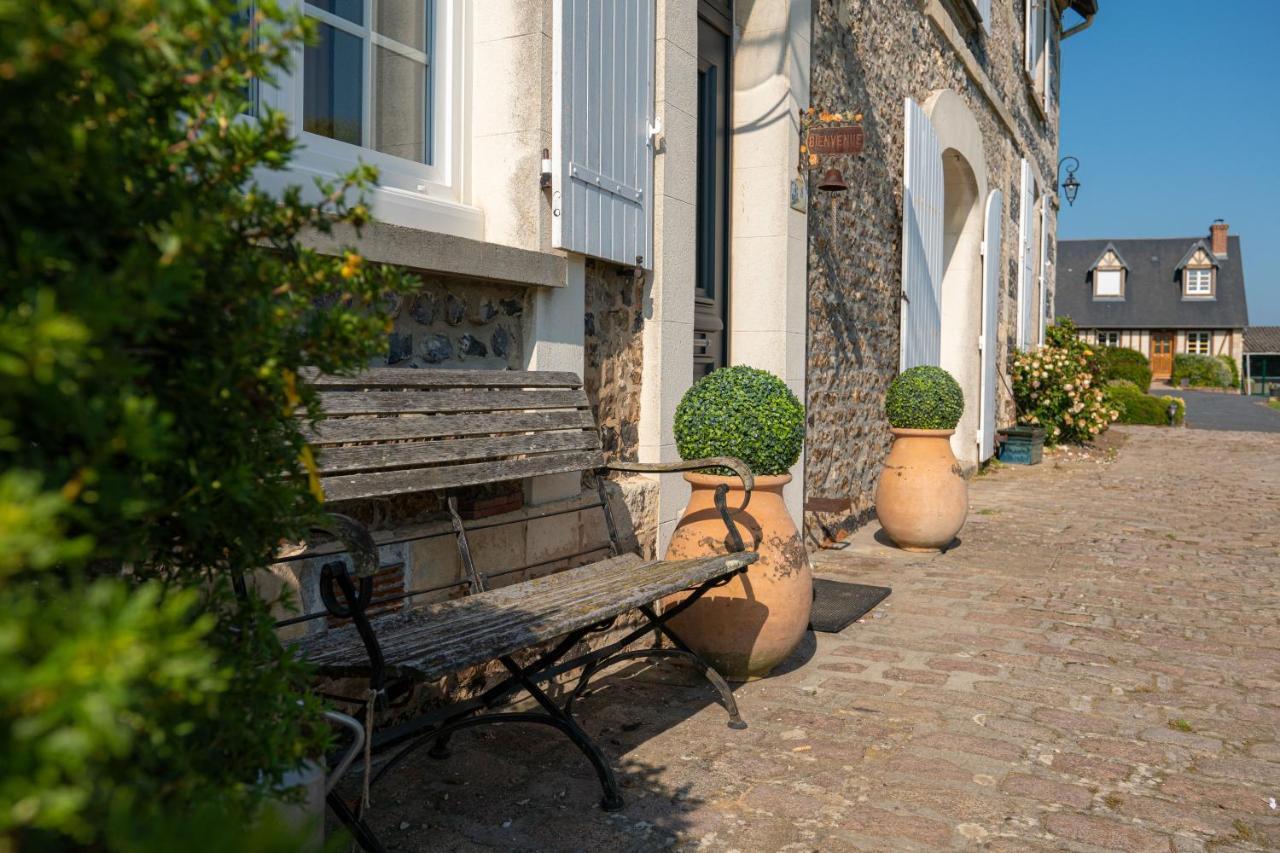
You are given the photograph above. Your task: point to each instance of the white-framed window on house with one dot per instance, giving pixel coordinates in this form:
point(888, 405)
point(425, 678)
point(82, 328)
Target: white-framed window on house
point(382, 85)
point(1108, 284)
point(1197, 282)
point(1199, 343)
point(1108, 339)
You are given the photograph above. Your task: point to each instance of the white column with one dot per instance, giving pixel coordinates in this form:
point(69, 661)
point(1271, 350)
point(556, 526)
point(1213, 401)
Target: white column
point(768, 263)
point(668, 329)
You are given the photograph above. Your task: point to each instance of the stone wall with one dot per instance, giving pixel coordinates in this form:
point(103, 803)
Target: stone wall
point(614, 359)
point(868, 56)
point(459, 323)
point(614, 350)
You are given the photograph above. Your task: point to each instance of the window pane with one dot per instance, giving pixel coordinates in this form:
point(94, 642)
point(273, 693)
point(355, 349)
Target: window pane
point(405, 21)
point(333, 84)
point(400, 126)
point(1107, 282)
point(352, 10)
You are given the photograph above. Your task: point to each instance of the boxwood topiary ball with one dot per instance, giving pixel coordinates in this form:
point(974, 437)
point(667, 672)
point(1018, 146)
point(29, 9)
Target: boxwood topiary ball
point(924, 398)
point(743, 412)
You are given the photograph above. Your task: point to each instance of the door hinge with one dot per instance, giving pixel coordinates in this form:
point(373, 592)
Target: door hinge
point(982, 248)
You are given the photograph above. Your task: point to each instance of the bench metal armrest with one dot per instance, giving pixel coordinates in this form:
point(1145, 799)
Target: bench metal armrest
point(356, 540)
point(736, 465)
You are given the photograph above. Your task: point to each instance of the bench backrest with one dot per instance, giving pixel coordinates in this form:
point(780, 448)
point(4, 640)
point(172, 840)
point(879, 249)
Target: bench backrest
point(395, 431)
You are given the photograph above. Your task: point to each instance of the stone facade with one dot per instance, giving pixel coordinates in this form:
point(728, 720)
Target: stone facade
point(613, 355)
point(868, 56)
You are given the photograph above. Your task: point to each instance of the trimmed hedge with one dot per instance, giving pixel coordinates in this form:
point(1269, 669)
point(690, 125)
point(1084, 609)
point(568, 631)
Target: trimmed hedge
point(1136, 407)
point(1200, 371)
point(1124, 363)
point(744, 412)
point(924, 398)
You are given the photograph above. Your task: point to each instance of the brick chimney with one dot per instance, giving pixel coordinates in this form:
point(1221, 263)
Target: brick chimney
point(1218, 237)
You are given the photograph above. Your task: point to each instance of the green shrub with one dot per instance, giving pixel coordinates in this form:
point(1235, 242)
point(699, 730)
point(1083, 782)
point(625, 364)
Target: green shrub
point(1200, 371)
point(1123, 363)
point(1055, 387)
point(1233, 368)
point(1135, 407)
point(743, 412)
point(155, 307)
point(924, 397)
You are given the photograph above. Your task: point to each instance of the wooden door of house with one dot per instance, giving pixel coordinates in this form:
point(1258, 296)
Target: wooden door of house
point(1161, 354)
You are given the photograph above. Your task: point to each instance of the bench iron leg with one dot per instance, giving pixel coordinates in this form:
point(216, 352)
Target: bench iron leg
point(360, 830)
point(612, 796)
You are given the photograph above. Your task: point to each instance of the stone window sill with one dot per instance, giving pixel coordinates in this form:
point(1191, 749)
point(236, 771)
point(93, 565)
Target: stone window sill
point(432, 251)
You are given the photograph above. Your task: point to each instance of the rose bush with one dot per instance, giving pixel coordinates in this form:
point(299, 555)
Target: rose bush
point(1055, 387)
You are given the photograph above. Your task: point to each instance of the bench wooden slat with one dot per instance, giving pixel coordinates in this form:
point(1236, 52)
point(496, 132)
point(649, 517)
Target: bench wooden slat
point(382, 457)
point(441, 639)
point(345, 487)
point(401, 377)
point(448, 400)
point(348, 429)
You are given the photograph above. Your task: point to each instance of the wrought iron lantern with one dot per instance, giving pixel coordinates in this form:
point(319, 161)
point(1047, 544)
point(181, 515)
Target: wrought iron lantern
point(1070, 186)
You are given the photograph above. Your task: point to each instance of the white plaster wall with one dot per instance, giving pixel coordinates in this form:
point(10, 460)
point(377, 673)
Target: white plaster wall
point(511, 119)
point(768, 241)
point(959, 135)
point(959, 354)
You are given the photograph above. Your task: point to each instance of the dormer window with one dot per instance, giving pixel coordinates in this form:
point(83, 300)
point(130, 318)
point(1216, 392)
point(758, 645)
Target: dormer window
point(1198, 282)
point(1199, 269)
point(1109, 275)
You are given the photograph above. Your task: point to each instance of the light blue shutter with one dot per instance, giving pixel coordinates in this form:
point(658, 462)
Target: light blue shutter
point(984, 10)
point(988, 343)
point(1026, 250)
point(602, 155)
point(921, 241)
point(1044, 270)
point(1051, 54)
point(1035, 34)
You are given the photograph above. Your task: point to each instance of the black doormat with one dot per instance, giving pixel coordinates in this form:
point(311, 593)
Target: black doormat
point(837, 603)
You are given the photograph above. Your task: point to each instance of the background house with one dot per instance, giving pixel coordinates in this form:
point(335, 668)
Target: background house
point(1261, 374)
point(1158, 296)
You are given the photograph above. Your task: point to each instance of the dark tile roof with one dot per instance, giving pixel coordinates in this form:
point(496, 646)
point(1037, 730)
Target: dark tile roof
point(1153, 289)
point(1262, 339)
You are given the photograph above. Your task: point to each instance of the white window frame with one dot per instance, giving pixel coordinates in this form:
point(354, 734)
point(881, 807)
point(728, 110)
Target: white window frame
point(1201, 339)
point(1108, 338)
point(1097, 282)
point(430, 196)
point(1036, 53)
point(1203, 282)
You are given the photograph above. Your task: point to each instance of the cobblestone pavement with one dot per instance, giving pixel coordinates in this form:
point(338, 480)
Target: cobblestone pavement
point(1095, 667)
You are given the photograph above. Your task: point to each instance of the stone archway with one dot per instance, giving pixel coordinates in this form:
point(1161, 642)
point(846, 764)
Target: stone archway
point(964, 172)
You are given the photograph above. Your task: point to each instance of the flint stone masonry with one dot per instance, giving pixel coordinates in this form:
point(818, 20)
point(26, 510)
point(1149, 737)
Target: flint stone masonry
point(868, 56)
point(1100, 616)
point(457, 322)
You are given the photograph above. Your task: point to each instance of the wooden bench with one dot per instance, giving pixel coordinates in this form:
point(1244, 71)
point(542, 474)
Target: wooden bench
point(390, 433)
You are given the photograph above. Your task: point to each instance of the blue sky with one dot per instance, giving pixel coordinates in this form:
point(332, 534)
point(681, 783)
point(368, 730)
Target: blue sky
point(1173, 108)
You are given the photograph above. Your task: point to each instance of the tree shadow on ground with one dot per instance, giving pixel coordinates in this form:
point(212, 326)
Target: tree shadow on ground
point(526, 787)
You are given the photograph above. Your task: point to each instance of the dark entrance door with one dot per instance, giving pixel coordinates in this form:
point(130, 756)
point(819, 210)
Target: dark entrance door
point(711, 276)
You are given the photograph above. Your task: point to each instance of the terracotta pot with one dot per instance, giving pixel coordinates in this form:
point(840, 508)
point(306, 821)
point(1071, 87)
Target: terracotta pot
point(922, 499)
point(748, 626)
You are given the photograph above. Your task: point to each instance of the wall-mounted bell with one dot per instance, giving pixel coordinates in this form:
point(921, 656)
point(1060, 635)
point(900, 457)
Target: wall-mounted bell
point(832, 181)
